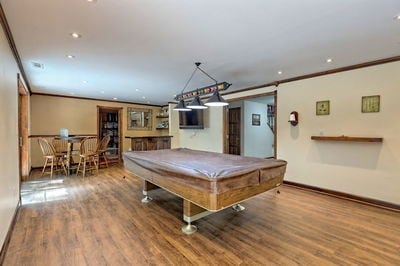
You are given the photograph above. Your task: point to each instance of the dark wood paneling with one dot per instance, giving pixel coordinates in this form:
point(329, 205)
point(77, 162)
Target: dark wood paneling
point(364, 200)
point(149, 143)
point(234, 130)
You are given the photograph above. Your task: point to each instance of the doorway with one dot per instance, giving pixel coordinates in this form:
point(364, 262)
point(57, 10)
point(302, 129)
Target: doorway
point(23, 105)
point(234, 115)
point(250, 126)
point(109, 123)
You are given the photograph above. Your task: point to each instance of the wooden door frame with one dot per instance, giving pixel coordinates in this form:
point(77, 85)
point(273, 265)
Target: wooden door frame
point(23, 128)
point(226, 119)
point(119, 109)
point(240, 129)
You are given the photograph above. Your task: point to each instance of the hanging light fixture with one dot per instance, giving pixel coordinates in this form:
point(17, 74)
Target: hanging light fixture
point(215, 100)
point(197, 103)
point(181, 106)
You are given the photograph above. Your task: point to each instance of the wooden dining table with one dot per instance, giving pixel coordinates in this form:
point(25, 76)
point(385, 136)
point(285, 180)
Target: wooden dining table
point(71, 141)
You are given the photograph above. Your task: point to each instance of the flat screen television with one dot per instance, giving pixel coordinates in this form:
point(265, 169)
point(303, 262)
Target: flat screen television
point(191, 119)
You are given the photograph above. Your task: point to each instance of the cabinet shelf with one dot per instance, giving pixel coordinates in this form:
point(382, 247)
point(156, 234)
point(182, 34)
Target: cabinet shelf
point(346, 138)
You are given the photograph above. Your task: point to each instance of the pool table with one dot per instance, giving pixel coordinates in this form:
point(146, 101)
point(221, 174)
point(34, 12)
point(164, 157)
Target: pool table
point(206, 181)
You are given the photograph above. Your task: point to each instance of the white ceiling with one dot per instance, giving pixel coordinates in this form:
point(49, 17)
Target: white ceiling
point(152, 45)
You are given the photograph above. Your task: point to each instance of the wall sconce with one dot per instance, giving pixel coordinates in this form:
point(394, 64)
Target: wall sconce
point(294, 118)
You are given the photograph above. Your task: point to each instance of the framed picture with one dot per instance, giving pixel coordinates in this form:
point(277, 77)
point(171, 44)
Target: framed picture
point(370, 104)
point(255, 119)
point(322, 108)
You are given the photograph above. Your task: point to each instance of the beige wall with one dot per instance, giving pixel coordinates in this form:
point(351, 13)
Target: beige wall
point(364, 169)
point(9, 171)
point(79, 116)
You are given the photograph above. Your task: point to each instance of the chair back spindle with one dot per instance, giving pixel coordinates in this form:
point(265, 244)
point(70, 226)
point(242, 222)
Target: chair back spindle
point(46, 147)
point(104, 143)
point(89, 145)
point(60, 145)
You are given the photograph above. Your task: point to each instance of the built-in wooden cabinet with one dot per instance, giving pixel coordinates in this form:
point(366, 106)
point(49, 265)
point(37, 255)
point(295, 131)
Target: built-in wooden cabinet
point(162, 119)
point(109, 123)
point(150, 143)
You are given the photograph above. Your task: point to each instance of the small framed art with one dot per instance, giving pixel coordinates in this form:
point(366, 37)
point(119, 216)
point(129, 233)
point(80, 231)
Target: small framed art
point(255, 119)
point(370, 104)
point(322, 108)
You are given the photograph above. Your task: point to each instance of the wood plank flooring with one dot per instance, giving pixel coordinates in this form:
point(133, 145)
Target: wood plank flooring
point(101, 221)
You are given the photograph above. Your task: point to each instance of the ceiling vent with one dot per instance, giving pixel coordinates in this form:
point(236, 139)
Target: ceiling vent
point(37, 65)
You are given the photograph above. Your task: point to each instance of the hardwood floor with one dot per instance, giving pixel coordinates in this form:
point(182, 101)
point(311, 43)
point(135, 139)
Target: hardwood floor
point(100, 220)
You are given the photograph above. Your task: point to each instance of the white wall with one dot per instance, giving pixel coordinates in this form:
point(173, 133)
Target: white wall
point(9, 169)
point(208, 139)
point(257, 140)
point(364, 169)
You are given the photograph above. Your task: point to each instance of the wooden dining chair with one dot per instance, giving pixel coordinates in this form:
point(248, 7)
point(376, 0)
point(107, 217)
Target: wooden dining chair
point(51, 156)
point(60, 145)
point(102, 149)
point(88, 155)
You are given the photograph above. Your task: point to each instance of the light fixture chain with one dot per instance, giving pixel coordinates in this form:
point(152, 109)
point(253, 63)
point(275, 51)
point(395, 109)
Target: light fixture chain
point(205, 73)
point(187, 83)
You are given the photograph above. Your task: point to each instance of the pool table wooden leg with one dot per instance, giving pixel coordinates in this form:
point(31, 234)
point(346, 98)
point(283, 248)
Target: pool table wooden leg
point(191, 213)
point(147, 186)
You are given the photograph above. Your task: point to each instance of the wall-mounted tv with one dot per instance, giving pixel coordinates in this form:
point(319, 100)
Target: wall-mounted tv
point(191, 119)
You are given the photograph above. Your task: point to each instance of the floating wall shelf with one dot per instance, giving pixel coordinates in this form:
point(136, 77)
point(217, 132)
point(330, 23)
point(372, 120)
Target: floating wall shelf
point(345, 138)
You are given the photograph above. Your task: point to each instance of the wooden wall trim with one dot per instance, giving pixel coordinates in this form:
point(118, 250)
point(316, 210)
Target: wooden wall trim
point(270, 93)
point(10, 38)
point(93, 99)
point(57, 135)
point(9, 233)
point(342, 195)
point(317, 74)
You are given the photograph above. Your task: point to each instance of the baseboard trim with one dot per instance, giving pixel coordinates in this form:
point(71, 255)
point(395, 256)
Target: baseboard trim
point(9, 233)
point(342, 195)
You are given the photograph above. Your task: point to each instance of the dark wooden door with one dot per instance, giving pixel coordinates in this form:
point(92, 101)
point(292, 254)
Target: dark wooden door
point(234, 131)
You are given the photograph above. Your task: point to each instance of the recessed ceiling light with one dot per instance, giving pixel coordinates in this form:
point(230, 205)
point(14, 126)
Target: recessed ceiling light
point(143, 97)
point(70, 56)
point(37, 65)
point(91, 1)
point(397, 17)
point(115, 98)
point(102, 92)
point(84, 81)
point(76, 35)
point(329, 60)
point(280, 72)
point(137, 90)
